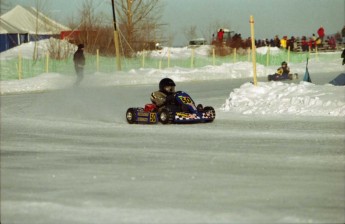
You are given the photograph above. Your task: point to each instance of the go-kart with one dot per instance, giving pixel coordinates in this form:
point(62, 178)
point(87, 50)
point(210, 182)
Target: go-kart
point(277, 77)
point(181, 110)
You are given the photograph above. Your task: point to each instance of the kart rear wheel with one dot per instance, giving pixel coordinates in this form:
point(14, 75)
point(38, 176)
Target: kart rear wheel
point(130, 116)
point(210, 110)
point(165, 116)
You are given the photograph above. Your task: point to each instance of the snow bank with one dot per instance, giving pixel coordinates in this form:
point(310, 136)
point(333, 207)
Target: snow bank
point(26, 50)
point(282, 98)
point(181, 53)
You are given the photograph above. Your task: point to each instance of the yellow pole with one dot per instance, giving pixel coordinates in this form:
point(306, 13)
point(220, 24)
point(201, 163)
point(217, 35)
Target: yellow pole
point(268, 56)
point(316, 52)
point(253, 49)
point(235, 55)
point(97, 60)
point(19, 64)
point(214, 56)
point(47, 62)
point(192, 59)
point(143, 59)
point(117, 50)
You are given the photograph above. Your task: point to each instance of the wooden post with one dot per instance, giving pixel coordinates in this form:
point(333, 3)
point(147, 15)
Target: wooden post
point(97, 60)
point(316, 53)
point(20, 64)
point(214, 56)
point(253, 49)
point(235, 55)
point(143, 59)
point(192, 59)
point(117, 50)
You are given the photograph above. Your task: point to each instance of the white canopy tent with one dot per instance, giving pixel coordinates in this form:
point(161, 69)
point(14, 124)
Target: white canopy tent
point(26, 24)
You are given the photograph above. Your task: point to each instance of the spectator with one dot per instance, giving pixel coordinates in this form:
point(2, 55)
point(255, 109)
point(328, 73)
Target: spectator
point(311, 42)
point(283, 42)
point(220, 35)
point(331, 42)
point(79, 63)
point(276, 41)
point(304, 43)
point(321, 33)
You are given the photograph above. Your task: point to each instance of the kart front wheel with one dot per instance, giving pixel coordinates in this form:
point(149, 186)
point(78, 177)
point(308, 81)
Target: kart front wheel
point(165, 116)
point(130, 116)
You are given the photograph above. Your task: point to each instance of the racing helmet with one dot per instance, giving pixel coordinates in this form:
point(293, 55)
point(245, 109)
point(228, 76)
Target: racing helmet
point(284, 63)
point(167, 86)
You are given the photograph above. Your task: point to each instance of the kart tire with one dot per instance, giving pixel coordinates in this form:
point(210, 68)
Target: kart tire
point(130, 115)
point(210, 109)
point(165, 116)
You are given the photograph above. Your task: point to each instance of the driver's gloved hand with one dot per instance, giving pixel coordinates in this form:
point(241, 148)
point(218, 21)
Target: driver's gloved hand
point(170, 99)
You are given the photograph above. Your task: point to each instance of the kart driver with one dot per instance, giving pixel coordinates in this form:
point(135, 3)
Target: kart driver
point(165, 94)
point(284, 70)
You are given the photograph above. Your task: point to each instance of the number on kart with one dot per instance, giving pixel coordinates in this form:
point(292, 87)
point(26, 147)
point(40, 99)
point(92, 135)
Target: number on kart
point(186, 100)
point(153, 117)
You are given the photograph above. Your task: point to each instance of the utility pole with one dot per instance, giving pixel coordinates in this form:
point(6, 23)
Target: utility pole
point(116, 39)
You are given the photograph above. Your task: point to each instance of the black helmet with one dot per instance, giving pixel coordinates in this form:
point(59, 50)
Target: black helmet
point(284, 63)
point(165, 83)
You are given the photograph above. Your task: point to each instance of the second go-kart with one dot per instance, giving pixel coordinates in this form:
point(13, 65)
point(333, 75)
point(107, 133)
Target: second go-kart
point(181, 111)
point(276, 77)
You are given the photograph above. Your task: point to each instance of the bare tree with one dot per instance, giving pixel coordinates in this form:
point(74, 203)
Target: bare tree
point(39, 7)
point(190, 32)
point(139, 22)
point(95, 32)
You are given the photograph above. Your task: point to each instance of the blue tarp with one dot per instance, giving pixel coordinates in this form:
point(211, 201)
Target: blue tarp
point(8, 41)
point(339, 80)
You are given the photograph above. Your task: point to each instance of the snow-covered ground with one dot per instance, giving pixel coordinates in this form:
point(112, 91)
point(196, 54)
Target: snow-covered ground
point(274, 154)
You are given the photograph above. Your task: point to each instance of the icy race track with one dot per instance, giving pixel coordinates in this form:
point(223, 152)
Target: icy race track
point(68, 156)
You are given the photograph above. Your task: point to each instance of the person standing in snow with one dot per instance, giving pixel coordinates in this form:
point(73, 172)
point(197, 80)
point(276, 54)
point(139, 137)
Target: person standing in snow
point(79, 63)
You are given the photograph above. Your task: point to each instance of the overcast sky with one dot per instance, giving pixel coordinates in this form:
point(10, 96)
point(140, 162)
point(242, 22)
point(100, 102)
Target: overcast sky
point(272, 17)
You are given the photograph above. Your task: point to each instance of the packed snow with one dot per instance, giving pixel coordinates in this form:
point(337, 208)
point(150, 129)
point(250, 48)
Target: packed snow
point(274, 153)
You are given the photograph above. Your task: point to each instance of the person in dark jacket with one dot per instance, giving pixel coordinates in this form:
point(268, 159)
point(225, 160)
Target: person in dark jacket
point(79, 63)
